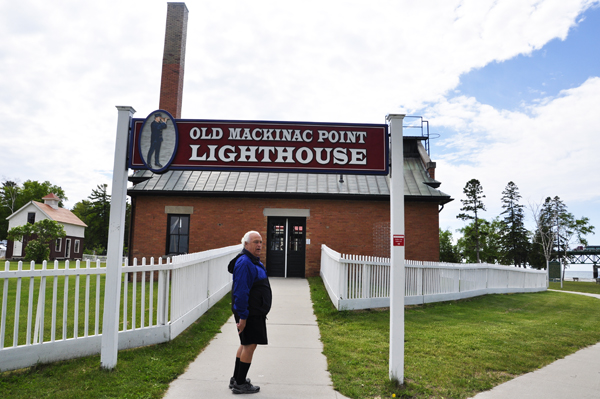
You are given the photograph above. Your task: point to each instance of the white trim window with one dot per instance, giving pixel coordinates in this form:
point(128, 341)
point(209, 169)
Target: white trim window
point(58, 245)
point(68, 248)
point(76, 247)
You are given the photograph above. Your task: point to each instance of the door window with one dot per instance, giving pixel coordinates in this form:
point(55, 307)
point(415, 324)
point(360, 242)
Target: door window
point(277, 237)
point(296, 238)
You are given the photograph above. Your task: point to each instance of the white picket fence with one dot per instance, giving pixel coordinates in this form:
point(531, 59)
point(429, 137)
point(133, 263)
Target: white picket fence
point(101, 258)
point(362, 282)
point(159, 301)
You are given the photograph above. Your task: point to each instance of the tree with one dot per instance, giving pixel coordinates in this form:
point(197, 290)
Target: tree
point(488, 234)
point(8, 198)
point(536, 256)
point(571, 231)
point(13, 197)
point(471, 208)
point(34, 191)
point(514, 237)
point(95, 212)
point(557, 230)
point(545, 235)
point(100, 200)
point(42, 233)
point(8, 195)
point(448, 251)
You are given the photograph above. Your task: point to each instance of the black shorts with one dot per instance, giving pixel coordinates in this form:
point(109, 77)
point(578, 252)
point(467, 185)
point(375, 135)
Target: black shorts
point(255, 331)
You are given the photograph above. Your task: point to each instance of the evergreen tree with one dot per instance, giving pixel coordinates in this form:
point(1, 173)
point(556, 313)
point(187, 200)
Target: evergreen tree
point(536, 257)
point(8, 198)
point(95, 212)
point(471, 208)
point(514, 237)
point(448, 251)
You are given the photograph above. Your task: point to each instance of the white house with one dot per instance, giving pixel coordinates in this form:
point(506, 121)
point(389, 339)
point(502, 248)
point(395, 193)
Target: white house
point(70, 247)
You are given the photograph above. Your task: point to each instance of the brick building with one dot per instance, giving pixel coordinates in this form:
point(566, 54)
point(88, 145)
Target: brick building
point(190, 211)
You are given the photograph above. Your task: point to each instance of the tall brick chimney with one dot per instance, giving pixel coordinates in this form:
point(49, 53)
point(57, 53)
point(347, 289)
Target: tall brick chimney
point(171, 83)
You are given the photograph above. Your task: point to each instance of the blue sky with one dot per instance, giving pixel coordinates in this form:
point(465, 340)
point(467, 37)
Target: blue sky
point(511, 86)
point(525, 79)
point(519, 84)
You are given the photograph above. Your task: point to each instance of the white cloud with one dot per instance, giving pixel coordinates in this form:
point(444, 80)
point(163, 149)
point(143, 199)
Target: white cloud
point(65, 65)
point(548, 150)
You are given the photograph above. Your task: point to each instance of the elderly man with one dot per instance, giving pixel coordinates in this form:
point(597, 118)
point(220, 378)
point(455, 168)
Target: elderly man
point(251, 301)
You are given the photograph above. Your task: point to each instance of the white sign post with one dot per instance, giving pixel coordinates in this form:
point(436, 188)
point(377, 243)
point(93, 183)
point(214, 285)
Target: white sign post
point(397, 249)
point(116, 233)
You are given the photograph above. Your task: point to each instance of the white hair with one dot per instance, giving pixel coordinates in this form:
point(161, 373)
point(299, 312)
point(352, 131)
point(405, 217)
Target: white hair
point(246, 237)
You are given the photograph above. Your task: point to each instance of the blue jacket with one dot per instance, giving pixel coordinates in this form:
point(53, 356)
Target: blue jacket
point(251, 293)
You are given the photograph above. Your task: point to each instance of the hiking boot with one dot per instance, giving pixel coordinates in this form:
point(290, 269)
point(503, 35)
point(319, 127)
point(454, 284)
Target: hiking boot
point(245, 388)
point(232, 381)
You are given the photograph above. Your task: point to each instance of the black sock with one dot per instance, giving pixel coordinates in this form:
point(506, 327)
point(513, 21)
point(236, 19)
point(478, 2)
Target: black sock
point(237, 367)
point(240, 377)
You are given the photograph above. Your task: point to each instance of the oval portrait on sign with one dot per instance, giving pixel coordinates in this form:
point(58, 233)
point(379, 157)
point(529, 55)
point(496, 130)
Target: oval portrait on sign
point(158, 141)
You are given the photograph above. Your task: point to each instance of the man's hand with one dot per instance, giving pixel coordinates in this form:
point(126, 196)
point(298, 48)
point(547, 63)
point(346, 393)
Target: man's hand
point(241, 325)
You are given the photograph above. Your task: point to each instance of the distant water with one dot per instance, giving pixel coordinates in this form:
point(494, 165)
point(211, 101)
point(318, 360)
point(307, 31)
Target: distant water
point(579, 273)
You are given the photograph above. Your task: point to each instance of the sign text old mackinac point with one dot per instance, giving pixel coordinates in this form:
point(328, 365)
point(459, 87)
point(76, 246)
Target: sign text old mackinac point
point(300, 147)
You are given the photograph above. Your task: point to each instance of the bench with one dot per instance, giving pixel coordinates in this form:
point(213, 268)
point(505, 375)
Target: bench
point(597, 280)
point(575, 278)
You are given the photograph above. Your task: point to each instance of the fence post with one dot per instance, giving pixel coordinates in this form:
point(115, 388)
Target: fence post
point(116, 229)
point(365, 276)
point(397, 268)
point(342, 283)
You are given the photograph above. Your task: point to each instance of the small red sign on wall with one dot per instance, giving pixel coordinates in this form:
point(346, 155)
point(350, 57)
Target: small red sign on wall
point(398, 240)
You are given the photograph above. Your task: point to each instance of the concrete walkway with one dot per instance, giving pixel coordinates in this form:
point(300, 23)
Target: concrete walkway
point(291, 366)
point(575, 376)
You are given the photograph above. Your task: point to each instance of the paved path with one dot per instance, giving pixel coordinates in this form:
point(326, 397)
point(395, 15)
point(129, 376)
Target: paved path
point(291, 366)
point(575, 376)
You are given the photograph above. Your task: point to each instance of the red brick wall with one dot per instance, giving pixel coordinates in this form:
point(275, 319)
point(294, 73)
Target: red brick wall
point(421, 224)
point(347, 226)
point(171, 85)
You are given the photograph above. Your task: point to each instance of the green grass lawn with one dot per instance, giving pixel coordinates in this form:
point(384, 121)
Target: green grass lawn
point(453, 349)
point(71, 301)
point(577, 286)
point(140, 373)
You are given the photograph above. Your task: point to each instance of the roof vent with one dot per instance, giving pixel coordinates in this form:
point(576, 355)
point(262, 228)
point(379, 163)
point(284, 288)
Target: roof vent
point(51, 200)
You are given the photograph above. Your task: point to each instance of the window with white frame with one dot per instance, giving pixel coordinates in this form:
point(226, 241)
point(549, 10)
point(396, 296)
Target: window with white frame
point(58, 245)
point(68, 248)
point(76, 247)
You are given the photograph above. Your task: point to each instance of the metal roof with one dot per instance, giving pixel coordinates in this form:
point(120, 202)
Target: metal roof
point(189, 182)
